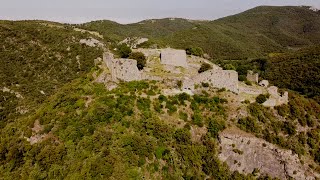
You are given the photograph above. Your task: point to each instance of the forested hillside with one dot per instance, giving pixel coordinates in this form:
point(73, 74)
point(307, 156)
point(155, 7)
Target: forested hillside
point(84, 131)
point(298, 70)
point(37, 58)
point(253, 33)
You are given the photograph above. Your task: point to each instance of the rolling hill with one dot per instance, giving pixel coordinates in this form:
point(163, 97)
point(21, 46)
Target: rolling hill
point(253, 33)
point(37, 58)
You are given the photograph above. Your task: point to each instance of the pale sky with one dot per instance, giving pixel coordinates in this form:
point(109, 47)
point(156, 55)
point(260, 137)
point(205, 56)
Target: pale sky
point(129, 11)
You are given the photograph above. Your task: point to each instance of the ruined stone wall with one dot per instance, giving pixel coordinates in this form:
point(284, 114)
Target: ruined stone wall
point(252, 77)
point(216, 78)
point(276, 99)
point(149, 52)
point(174, 57)
point(250, 90)
point(122, 69)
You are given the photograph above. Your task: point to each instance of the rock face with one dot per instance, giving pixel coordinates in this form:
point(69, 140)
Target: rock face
point(174, 57)
point(122, 69)
point(252, 77)
point(276, 99)
point(133, 42)
point(217, 78)
point(243, 152)
point(91, 42)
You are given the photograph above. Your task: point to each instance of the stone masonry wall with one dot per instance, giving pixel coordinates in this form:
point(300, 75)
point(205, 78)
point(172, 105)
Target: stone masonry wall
point(122, 69)
point(252, 77)
point(216, 78)
point(174, 57)
point(276, 99)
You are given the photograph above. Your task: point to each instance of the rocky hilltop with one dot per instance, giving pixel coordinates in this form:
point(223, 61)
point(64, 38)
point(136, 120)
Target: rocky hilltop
point(96, 101)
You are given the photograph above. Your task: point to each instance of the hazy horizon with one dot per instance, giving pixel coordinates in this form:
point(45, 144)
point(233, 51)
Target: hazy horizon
point(125, 11)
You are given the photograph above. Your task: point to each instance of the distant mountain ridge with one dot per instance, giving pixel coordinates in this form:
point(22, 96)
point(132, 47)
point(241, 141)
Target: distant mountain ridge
point(256, 32)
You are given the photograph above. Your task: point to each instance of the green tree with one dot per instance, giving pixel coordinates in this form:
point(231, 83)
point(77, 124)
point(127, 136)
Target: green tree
point(196, 51)
point(262, 98)
point(124, 51)
point(229, 67)
point(204, 67)
point(141, 59)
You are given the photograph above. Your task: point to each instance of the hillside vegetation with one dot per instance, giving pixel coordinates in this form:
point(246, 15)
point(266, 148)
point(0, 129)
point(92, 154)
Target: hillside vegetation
point(121, 134)
point(37, 58)
point(298, 70)
point(135, 132)
point(253, 33)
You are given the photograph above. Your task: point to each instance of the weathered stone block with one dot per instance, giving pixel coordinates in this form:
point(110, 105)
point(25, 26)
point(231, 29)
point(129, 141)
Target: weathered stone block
point(216, 78)
point(122, 69)
point(174, 57)
point(252, 77)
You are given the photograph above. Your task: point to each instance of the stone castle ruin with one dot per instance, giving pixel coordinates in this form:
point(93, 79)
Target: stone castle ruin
point(126, 70)
point(275, 99)
point(122, 69)
point(174, 57)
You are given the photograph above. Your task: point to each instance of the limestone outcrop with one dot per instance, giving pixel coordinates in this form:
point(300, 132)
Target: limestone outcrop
point(133, 42)
point(174, 57)
point(122, 69)
point(92, 42)
point(244, 152)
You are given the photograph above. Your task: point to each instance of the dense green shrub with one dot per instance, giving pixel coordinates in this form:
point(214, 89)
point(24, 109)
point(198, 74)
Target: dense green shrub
point(242, 78)
point(183, 116)
point(204, 67)
point(182, 136)
point(196, 51)
point(283, 110)
point(249, 83)
point(124, 51)
point(197, 119)
point(229, 67)
point(262, 98)
point(144, 104)
point(140, 57)
point(162, 98)
point(205, 85)
point(179, 84)
point(215, 126)
point(249, 124)
point(289, 128)
point(171, 107)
